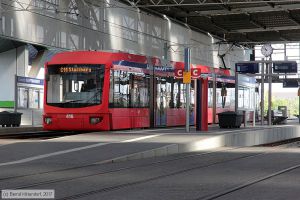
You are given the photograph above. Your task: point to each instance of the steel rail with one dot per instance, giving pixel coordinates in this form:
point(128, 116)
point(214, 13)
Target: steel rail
point(133, 183)
point(37, 135)
point(119, 186)
point(252, 182)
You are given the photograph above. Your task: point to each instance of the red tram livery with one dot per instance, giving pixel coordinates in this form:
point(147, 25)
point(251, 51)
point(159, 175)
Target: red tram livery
point(92, 90)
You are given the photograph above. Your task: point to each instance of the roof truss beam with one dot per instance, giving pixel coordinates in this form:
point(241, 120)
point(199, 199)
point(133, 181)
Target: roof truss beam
point(292, 18)
point(217, 26)
point(223, 3)
point(271, 4)
point(256, 23)
point(256, 9)
point(266, 29)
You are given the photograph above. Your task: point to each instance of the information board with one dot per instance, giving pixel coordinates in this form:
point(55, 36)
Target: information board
point(290, 83)
point(285, 67)
point(247, 68)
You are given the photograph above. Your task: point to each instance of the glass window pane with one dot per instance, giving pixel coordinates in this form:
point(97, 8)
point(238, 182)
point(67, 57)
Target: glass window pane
point(75, 85)
point(22, 97)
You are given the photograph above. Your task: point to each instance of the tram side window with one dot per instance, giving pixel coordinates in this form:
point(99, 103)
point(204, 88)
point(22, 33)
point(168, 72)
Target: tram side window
point(54, 94)
point(193, 94)
point(119, 89)
point(210, 94)
point(128, 90)
point(183, 94)
point(176, 93)
point(181, 100)
point(139, 96)
point(170, 92)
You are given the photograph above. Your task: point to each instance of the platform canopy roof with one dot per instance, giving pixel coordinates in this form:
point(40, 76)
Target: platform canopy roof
point(235, 21)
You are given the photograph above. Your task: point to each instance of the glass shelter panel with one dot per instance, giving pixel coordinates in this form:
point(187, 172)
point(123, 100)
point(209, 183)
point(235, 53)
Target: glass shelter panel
point(246, 92)
point(22, 97)
point(33, 98)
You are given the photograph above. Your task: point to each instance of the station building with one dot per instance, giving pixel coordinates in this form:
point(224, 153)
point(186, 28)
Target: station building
point(32, 31)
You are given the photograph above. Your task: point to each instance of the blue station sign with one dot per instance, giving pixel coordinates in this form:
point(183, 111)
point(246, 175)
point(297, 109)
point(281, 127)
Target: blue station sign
point(28, 80)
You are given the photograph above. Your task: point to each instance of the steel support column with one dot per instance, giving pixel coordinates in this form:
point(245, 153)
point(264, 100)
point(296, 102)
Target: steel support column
point(187, 61)
point(262, 97)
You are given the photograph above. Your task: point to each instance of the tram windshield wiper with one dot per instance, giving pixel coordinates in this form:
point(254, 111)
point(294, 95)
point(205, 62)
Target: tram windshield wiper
point(94, 96)
point(73, 101)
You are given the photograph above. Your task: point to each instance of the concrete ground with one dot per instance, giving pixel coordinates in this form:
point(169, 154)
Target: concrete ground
point(155, 164)
point(197, 175)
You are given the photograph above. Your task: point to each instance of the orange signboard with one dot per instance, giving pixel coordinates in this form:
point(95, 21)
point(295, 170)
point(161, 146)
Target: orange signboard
point(187, 77)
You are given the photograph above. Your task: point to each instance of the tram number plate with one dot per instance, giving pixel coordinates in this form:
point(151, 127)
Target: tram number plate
point(69, 116)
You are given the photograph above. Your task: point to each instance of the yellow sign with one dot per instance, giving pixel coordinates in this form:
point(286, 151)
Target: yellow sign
point(186, 77)
point(75, 70)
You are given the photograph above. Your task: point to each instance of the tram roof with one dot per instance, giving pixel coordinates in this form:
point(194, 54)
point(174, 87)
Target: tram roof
point(104, 57)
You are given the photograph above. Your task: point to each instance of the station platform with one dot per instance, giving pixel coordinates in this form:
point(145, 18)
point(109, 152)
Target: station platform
point(167, 141)
point(117, 146)
point(21, 129)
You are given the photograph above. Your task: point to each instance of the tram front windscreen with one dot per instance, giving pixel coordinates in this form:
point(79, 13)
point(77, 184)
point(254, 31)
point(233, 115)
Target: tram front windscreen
point(74, 86)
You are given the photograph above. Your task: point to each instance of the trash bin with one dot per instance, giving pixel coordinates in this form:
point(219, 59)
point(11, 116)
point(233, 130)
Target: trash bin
point(230, 119)
point(10, 119)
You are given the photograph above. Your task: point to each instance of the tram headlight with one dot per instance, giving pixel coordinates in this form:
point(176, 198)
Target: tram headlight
point(95, 120)
point(48, 120)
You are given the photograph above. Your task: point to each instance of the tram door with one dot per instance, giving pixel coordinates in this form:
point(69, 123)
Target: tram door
point(161, 102)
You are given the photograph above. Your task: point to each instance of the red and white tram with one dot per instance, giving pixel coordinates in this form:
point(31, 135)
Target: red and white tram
point(92, 90)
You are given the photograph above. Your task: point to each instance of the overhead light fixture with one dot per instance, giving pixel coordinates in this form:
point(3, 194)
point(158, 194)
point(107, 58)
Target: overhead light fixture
point(209, 35)
point(165, 17)
point(187, 26)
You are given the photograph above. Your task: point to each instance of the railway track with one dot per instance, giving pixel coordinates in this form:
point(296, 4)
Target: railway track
point(36, 135)
point(207, 197)
point(117, 187)
point(152, 178)
point(178, 157)
point(133, 183)
point(281, 143)
point(211, 197)
point(247, 184)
